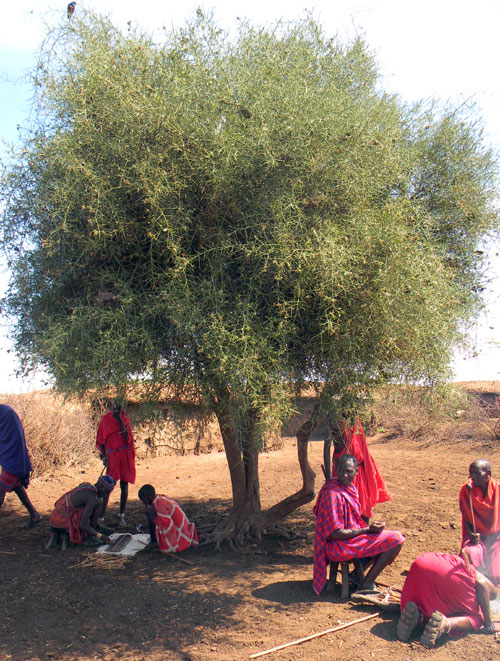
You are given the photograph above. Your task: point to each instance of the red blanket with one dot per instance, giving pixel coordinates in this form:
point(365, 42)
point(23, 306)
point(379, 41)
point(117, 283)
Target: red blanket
point(371, 486)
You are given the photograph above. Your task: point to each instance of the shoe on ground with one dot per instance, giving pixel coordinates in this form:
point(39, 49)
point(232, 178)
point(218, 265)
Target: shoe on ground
point(121, 521)
point(407, 622)
point(437, 625)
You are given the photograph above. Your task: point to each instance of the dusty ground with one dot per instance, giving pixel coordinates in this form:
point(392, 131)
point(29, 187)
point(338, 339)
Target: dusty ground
point(226, 605)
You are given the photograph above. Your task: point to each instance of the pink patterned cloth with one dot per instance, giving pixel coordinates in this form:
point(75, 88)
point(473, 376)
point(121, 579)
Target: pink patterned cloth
point(174, 531)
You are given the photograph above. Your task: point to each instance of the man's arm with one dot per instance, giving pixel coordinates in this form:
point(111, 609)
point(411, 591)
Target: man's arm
point(151, 514)
point(102, 453)
point(473, 536)
point(349, 533)
point(90, 502)
point(485, 592)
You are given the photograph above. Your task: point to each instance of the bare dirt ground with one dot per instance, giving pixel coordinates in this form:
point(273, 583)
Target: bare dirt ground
point(232, 604)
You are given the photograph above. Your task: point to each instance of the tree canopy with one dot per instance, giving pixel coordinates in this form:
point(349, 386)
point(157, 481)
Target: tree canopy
point(236, 217)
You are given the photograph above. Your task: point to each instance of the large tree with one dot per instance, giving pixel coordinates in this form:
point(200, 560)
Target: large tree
point(234, 218)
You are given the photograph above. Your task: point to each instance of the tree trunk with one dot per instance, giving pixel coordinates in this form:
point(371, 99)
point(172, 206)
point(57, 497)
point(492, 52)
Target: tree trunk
point(246, 520)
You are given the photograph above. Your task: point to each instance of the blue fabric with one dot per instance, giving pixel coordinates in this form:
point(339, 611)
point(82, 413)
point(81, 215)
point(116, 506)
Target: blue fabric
point(14, 456)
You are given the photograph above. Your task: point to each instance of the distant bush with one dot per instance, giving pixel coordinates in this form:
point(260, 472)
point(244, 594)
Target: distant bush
point(58, 432)
point(435, 413)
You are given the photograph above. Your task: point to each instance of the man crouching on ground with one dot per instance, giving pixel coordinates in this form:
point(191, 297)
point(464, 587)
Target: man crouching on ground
point(169, 527)
point(77, 512)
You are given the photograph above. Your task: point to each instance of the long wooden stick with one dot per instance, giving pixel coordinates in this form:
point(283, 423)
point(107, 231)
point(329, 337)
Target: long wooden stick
point(469, 488)
point(176, 557)
point(315, 635)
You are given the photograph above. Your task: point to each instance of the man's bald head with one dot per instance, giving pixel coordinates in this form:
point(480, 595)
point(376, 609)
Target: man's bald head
point(480, 473)
point(482, 464)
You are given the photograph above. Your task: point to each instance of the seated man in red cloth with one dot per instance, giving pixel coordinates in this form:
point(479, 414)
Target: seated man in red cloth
point(15, 462)
point(169, 527)
point(480, 506)
point(446, 595)
point(371, 486)
point(115, 443)
point(79, 510)
point(341, 533)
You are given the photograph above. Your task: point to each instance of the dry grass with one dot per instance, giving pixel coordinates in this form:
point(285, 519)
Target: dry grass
point(58, 433)
point(454, 412)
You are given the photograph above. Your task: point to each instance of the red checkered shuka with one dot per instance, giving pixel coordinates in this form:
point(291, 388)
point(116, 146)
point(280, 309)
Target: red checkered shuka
point(338, 508)
point(174, 531)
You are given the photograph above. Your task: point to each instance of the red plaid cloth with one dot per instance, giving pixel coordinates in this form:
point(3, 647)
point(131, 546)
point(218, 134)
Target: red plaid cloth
point(337, 508)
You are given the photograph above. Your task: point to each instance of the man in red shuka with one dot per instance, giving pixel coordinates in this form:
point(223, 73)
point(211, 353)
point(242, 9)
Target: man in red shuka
point(115, 443)
point(169, 527)
point(78, 512)
point(480, 506)
point(445, 595)
point(341, 534)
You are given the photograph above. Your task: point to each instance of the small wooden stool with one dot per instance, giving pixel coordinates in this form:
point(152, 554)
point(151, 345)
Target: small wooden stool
point(344, 568)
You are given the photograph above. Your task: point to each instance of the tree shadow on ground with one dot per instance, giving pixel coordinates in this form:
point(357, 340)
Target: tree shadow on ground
point(288, 592)
point(66, 608)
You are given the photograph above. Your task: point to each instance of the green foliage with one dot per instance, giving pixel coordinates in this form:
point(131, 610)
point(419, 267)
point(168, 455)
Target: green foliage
point(229, 217)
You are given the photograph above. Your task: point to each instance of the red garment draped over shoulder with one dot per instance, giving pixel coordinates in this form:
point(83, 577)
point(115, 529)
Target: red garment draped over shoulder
point(120, 450)
point(485, 555)
point(371, 486)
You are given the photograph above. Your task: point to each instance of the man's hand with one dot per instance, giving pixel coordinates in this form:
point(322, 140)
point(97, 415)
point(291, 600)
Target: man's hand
point(474, 538)
point(376, 527)
point(104, 460)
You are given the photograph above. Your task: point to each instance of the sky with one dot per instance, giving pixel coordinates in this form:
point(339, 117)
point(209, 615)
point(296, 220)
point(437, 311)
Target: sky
point(444, 49)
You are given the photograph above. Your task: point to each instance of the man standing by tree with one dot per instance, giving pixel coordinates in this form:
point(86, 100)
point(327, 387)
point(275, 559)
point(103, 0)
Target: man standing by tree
point(115, 443)
point(371, 486)
point(15, 461)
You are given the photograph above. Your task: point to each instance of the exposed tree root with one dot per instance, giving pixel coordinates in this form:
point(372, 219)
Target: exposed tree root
point(287, 533)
